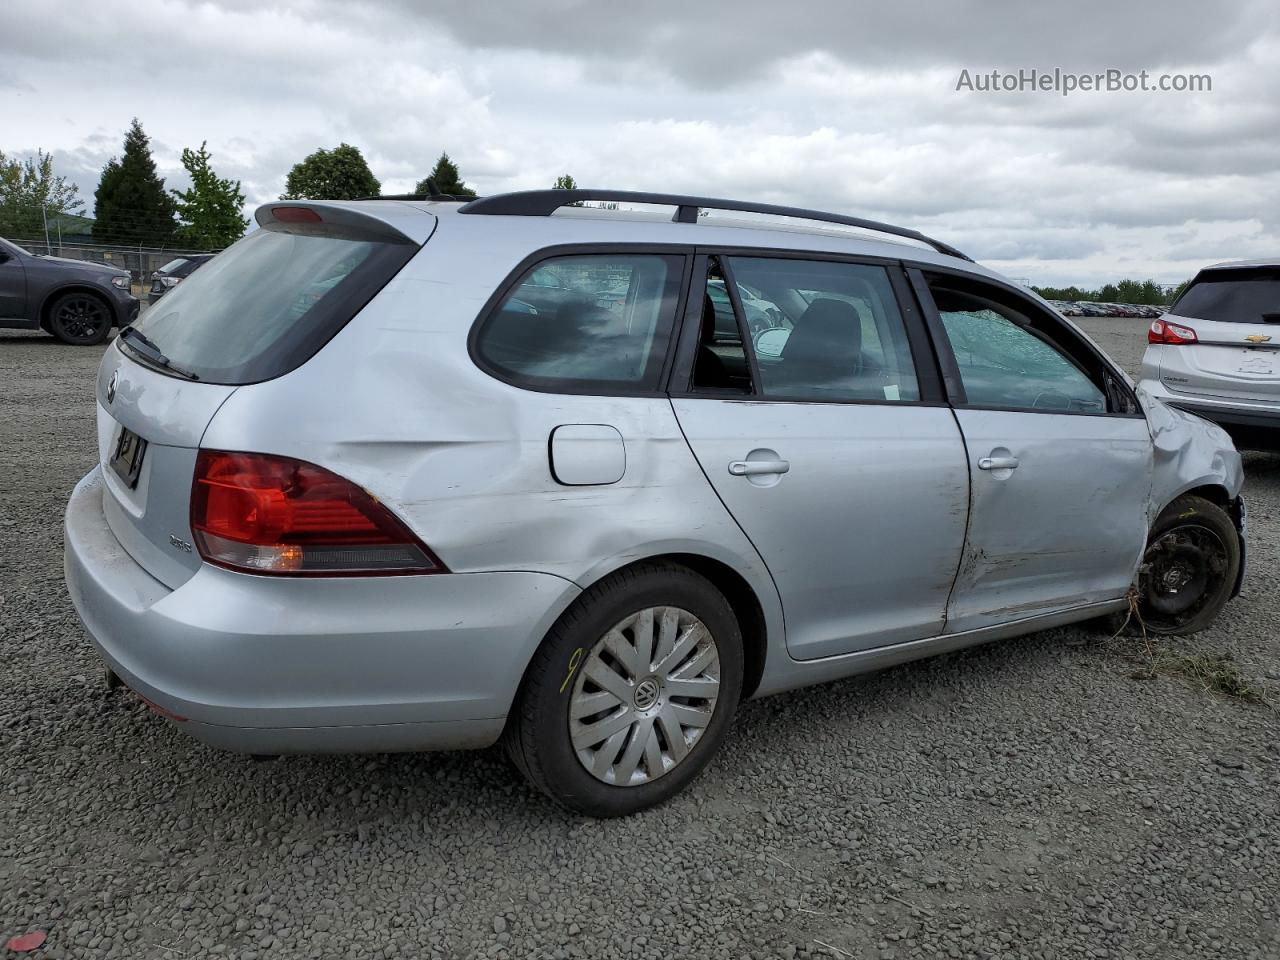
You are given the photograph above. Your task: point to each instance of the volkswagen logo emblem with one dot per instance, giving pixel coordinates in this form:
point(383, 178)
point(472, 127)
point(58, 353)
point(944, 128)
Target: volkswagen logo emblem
point(111, 387)
point(646, 694)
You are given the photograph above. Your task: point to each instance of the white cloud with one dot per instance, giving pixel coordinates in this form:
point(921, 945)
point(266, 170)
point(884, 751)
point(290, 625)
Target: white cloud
point(821, 104)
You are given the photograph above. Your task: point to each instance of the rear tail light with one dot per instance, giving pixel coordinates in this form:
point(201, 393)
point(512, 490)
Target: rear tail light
point(1162, 331)
point(277, 515)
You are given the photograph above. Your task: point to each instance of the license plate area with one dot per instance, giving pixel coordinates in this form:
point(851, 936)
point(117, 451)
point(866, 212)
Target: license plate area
point(128, 450)
point(1256, 361)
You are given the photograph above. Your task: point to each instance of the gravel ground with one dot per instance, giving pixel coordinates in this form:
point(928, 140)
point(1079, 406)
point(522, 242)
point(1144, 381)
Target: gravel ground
point(1030, 798)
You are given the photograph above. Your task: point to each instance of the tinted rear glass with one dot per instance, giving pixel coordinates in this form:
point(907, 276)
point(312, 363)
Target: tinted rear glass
point(1232, 296)
point(267, 303)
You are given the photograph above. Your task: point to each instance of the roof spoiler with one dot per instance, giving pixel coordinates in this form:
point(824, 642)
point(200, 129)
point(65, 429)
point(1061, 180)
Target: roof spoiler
point(543, 203)
point(313, 218)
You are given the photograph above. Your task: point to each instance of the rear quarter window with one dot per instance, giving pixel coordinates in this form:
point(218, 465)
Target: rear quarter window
point(584, 323)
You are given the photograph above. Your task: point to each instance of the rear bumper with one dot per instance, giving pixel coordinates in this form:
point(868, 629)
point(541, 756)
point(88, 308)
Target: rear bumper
point(277, 665)
point(1240, 418)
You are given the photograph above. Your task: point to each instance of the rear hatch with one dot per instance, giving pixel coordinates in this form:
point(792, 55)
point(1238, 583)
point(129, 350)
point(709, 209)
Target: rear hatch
point(1235, 312)
point(257, 311)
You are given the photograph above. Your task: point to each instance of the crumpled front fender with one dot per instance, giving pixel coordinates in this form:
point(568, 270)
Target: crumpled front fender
point(1188, 452)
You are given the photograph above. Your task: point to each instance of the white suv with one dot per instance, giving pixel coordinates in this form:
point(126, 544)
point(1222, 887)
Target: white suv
point(1216, 352)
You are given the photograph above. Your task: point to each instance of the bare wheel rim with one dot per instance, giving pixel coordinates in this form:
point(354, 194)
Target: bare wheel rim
point(81, 317)
point(1181, 572)
point(644, 696)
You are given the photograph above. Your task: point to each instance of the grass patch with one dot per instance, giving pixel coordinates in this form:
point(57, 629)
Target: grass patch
point(1217, 673)
point(1214, 672)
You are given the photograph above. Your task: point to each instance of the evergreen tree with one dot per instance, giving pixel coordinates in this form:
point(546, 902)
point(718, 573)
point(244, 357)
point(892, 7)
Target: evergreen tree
point(211, 210)
point(131, 203)
point(565, 182)
point(337, 174)
point(446, 178)
point(30, 193)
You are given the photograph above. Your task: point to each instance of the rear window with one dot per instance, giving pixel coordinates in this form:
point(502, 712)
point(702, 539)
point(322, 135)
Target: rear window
point(1232, 296)
point(266, 304)
point(585, 324)
point(173, 265)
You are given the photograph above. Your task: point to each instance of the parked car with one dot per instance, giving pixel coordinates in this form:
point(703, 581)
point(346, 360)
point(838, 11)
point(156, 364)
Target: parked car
point(174, 272)
point(1216, 352)
point(422, 512)
point(75, 300)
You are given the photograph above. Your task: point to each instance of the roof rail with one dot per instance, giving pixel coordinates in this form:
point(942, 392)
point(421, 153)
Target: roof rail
point(543, 203)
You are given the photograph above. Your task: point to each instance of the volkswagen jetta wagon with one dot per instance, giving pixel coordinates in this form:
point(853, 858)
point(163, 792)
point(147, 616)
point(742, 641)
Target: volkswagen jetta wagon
point(417, 474)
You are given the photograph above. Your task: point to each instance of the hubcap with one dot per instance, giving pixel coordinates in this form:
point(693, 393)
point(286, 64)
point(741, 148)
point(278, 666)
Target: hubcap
point(644, 696)
point(1181, 571)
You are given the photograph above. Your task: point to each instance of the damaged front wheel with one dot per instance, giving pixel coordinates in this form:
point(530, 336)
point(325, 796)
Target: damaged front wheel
point(1189, 568)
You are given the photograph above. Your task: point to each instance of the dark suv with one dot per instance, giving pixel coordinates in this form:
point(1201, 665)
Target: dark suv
point(75, 300)
point(174, 272)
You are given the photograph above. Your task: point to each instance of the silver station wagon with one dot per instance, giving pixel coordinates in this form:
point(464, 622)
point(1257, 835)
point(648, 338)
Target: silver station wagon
point(419, 474)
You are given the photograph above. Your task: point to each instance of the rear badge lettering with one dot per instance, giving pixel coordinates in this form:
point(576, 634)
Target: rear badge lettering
point(179, 543)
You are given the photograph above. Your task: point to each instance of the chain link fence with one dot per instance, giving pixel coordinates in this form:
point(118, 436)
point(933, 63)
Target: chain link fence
point(141, 262)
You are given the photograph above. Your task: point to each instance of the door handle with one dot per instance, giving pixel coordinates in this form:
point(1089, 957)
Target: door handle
point(998, 463)
point(756, 468)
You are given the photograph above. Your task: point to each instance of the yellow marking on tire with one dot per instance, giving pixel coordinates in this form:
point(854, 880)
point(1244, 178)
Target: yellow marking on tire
point(573, 666)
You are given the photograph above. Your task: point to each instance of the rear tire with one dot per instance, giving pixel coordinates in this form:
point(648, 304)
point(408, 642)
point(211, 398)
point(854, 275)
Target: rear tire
point(631, 693)
point(1189, 569)
point(80, 319)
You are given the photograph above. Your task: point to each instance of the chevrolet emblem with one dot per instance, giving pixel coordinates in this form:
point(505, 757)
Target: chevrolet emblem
point(1257, 338)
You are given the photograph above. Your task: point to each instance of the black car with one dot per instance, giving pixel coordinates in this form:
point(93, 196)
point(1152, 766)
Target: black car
point(75, 300)
point(174, 272)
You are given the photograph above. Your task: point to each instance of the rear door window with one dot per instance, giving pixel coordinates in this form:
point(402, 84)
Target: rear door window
point(1249, 295)
point(267, 303)
point(824, 330)
point(585, 324)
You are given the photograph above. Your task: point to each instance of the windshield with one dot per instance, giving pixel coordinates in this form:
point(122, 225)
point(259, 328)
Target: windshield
point(269, 302)
point(1233, 296)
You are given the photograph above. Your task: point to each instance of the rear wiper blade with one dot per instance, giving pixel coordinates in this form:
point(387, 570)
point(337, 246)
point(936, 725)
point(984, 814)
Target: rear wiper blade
point(155, 356)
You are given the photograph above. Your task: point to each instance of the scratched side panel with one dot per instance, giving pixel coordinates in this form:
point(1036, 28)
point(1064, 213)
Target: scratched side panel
point(1066, 527)
point(395, 403)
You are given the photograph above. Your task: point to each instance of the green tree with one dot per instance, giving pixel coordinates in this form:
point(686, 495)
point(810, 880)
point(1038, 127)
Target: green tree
point(30, 192)
point(131, 203)
point(446, 178)
point(337, 174)
point(211, 211)
point(565, 182)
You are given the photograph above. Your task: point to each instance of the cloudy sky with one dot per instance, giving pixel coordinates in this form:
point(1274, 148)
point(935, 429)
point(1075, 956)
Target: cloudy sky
point(834, 104)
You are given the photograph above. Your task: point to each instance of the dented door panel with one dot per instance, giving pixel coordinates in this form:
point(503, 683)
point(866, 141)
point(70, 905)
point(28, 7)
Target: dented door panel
point(857, 509)
point(1066, 526)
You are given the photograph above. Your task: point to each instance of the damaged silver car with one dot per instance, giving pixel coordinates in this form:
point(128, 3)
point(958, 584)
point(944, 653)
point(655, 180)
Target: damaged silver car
point(421, 474)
